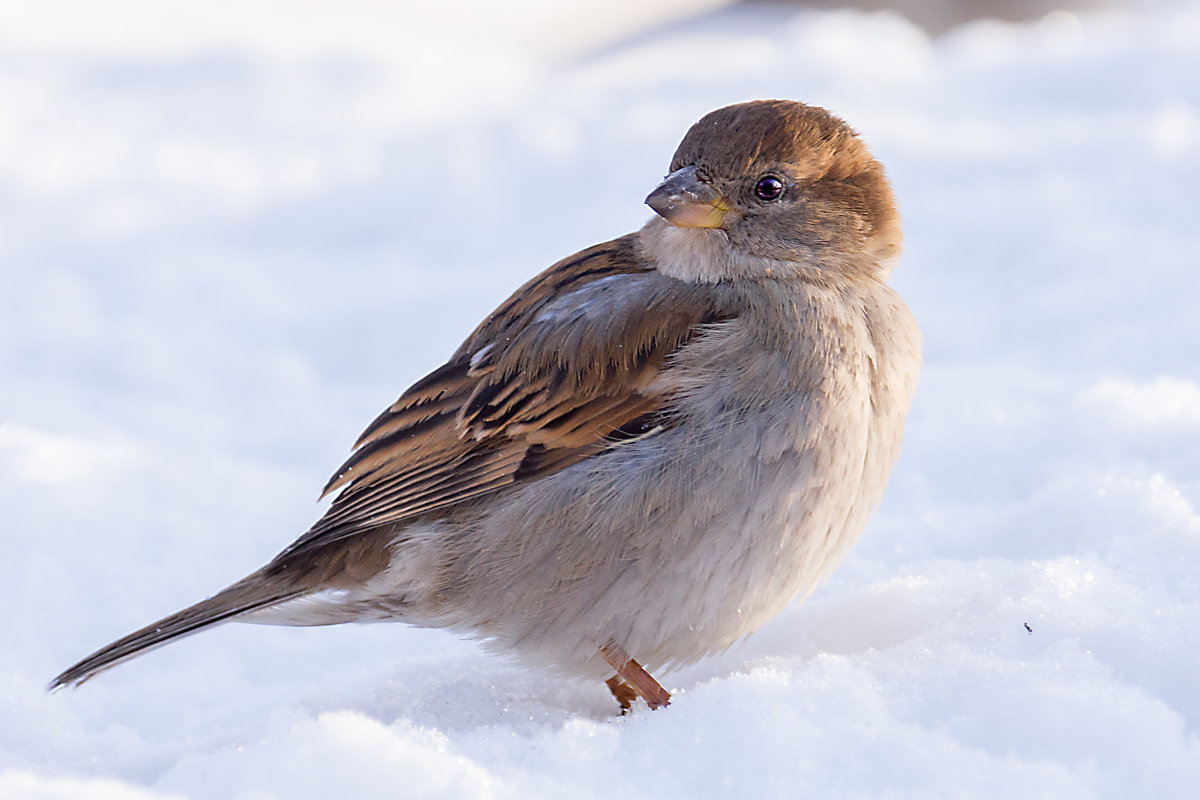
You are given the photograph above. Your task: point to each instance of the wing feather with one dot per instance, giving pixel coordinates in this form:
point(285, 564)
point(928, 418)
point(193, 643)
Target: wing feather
point(566, 368)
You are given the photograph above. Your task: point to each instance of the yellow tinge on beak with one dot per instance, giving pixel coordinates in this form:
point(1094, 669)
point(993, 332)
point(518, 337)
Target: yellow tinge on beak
point(685, 200)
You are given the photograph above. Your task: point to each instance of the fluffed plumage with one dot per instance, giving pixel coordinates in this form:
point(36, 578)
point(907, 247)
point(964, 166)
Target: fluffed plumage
point(650, 448)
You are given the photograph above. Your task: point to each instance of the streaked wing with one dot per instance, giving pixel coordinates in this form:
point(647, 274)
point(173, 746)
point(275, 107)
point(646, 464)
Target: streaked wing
point(566, 368)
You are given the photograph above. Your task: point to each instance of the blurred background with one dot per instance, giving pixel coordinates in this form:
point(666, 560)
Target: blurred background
point(210, 209)
point(242, 228)
point(232, 232)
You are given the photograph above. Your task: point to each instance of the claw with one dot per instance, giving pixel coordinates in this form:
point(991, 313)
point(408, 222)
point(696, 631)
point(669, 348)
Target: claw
point(624, 693)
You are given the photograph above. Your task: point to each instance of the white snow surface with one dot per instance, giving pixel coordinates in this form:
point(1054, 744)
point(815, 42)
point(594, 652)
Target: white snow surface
point(229, 237)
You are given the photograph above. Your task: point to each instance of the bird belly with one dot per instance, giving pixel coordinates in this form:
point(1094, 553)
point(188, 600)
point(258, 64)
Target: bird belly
point(672, 561)
point(677, 544)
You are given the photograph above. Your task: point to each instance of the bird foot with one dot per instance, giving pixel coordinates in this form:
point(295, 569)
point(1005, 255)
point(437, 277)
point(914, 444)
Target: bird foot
point(632, 681)
point(625, 694)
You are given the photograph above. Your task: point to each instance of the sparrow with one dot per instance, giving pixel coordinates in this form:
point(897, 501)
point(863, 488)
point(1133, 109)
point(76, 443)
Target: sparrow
point(647, 451)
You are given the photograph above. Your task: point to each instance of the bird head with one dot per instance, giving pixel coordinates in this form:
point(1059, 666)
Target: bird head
point(781, 181)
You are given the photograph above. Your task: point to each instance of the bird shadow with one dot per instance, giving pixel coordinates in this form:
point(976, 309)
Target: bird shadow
point(465, 693)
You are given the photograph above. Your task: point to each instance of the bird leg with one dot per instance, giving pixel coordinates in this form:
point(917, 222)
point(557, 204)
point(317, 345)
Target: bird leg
point(632, 680)
point(624, 693)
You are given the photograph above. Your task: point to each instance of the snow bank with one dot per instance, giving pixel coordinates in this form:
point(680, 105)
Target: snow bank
point(227, 240)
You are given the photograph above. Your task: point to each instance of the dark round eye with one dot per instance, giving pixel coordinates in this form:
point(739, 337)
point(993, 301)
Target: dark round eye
point(768, 188)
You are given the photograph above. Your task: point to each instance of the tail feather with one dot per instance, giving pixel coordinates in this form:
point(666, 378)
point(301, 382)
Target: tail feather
point(249, 594)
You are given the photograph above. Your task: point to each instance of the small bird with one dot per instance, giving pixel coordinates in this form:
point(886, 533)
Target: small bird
point(648, 450)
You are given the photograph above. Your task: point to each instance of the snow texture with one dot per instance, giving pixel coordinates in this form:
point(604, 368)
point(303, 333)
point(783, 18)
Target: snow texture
point(231, 233)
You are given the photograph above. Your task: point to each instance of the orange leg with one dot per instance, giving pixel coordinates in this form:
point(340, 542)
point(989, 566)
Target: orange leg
point(625, 694)
point(631, 676)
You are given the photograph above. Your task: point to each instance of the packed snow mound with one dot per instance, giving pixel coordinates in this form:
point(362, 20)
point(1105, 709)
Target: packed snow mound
point(228, 241)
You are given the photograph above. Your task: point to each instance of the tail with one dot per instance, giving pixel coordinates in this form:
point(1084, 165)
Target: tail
point(252, 593)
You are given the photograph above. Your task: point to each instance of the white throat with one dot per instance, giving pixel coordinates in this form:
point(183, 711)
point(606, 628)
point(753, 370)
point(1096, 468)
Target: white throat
point(703, 255)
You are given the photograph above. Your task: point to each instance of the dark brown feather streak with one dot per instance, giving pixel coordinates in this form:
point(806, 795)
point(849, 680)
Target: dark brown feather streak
point(515, 403)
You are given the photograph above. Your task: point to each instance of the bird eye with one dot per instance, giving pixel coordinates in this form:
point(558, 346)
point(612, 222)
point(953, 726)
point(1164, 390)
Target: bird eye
point(768, 188)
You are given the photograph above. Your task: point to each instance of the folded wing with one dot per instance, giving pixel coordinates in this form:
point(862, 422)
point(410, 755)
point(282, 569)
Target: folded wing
point(569, 367)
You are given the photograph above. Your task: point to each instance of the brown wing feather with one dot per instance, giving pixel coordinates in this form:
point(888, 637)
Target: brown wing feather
point(564, 369)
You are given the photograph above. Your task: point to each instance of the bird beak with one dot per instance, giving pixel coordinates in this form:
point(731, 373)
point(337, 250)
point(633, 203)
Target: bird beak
point(685, 200)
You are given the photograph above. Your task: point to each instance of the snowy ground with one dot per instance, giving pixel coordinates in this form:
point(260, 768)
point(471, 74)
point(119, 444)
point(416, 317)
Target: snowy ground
point(228, 239)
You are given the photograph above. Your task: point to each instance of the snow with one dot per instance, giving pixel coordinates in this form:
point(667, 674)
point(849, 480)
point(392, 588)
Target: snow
point(230, 235)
